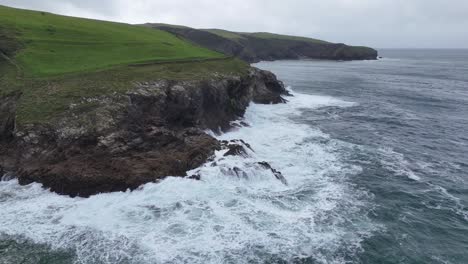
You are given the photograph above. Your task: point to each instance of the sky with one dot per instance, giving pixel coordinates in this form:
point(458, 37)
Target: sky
point(375, 23)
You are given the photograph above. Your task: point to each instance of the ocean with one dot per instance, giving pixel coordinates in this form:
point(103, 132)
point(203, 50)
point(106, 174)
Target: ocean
point(375, 154)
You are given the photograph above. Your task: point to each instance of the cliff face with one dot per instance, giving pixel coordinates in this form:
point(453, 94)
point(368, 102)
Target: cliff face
point(7, 115)
point(251, 48)
point(126, 140)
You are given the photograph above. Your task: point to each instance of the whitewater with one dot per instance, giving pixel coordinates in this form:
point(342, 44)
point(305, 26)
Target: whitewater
point(318, 216)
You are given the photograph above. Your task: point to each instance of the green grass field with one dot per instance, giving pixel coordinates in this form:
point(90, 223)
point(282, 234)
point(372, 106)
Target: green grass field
point(57, 60)
point(54, 44)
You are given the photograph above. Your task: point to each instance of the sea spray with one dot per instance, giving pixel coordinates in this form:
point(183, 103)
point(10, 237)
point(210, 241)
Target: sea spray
point(318, 215)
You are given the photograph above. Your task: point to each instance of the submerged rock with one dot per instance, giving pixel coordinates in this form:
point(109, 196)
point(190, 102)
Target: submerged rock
point(251, 170)
point(242, 167)
point(236, 148)
point(153, 131)
point(275, 172)
point(196, 177)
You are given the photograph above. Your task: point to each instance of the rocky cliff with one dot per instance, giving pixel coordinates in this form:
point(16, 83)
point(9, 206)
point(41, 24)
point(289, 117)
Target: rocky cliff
point(153, 131)
point(255, 47)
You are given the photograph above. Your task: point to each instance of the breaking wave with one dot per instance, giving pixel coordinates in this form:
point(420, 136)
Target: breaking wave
point(316, 215)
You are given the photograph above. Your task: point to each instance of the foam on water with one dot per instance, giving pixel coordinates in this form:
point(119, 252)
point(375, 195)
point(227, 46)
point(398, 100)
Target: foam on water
point(222, 218)
point(397, 163)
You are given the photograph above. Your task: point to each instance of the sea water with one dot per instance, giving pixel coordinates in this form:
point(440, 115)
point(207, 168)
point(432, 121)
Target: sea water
point(374, 153)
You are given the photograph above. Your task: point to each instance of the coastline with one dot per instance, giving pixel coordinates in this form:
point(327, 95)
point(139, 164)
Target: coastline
point(153, 131)
point(236, 204)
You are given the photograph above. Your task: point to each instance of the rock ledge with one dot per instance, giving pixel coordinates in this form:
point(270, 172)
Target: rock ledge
point(126, 140)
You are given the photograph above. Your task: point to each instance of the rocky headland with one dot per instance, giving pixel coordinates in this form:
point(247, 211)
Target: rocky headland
point(255, 47)
point(157, 129)
point(95, 116)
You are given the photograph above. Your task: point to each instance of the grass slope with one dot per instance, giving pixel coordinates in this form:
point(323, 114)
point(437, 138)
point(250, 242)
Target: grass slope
point(45, 99)
point(57, 60)
point(225, 34)
point(266, 35)
point(254, 47)
point(54, 44)
point(263, 35)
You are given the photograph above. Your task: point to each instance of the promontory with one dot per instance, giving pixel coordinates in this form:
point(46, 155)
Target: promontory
point(90, 106)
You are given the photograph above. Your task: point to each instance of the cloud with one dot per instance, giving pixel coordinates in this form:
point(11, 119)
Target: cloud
point(377, 23)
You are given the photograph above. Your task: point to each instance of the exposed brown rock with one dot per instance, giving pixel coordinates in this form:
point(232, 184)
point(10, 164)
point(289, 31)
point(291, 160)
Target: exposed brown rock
point(154, 131)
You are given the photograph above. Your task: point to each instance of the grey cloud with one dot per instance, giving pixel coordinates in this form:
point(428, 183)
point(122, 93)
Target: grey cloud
point(377, 23)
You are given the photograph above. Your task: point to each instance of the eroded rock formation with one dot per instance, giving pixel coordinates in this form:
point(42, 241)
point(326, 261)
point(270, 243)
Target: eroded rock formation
point(125, 140)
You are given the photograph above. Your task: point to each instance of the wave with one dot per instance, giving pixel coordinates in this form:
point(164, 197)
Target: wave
point(318, 215)
point(396, 162)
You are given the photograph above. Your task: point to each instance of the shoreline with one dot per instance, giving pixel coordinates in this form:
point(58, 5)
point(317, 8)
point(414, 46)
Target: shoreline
point(235, 205)
point(153, 131)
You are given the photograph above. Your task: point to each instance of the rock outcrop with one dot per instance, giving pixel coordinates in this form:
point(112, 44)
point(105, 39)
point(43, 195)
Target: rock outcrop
point(7, 115)
point(125, 140)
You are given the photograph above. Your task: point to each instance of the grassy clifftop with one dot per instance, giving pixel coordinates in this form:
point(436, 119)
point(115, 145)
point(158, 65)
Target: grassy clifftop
point(55, 60)
point(262, 35)
point(51, 44)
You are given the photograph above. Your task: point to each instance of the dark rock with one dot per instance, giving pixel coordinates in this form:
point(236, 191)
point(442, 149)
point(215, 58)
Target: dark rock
point(239, 124)
point(238, 172)
point(254, 49)
point(154, 131)
point(263, 91)
point(8, 115)
point(87, 170)
point(236, 147)
point(196, 177)
point(275, 172)
point(236, 150)
point(6, 176)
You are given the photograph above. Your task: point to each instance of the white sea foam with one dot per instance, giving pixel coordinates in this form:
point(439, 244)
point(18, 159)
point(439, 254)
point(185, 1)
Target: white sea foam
point(397, 163)
point(220, 219)
point(455, 204)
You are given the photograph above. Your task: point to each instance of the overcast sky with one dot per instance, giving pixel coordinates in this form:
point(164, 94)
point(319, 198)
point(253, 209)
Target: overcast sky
point(376, 23)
